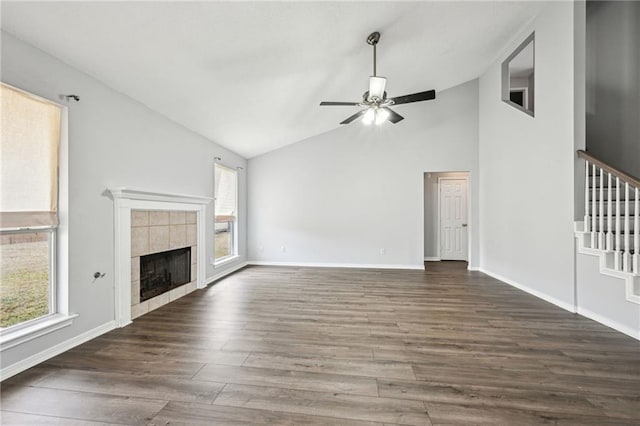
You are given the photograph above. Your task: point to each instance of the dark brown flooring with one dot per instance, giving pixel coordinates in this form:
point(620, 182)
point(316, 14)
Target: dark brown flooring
point(272, 345)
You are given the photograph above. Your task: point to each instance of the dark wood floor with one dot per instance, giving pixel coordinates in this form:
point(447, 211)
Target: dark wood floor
point(272, 345)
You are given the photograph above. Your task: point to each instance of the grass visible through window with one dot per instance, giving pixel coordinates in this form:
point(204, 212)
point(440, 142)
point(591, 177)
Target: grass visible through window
point(24, 278)
point(223, 240)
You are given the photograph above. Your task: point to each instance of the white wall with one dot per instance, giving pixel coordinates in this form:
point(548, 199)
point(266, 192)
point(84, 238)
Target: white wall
point(527, 167)
point(603, 298)
point(113, 142)
point(340, 197)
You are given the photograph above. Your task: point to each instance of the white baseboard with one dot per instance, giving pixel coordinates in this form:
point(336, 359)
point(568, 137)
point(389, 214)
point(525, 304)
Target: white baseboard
point(473, 268)
point(432, 259)
point(564, 305)
point(224, 273)
point(336, 265)
point(36, 359)
point(610, 323)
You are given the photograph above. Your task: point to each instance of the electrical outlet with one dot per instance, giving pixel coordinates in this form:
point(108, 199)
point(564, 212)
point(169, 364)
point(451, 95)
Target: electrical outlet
point(261, 249)
point(283, 249)
point(382, 251)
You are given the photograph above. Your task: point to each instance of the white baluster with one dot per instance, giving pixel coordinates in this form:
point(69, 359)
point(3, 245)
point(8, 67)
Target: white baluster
point(594, 212)
point(636, 237)
point(609, 236)
point(616, 264)
point(601, 211)
point(627, 231)
point(586, 197)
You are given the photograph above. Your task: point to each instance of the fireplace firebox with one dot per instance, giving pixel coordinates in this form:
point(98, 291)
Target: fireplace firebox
point(161, 272)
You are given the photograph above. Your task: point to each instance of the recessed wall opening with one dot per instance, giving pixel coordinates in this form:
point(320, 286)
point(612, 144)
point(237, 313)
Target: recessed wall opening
point(446, 216)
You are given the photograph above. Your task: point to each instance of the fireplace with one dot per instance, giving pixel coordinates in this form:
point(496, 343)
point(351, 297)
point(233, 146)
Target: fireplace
point(164, 271)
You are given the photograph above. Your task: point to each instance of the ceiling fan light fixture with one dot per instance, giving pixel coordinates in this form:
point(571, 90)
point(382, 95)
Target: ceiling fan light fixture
point(376, 87)
point(369, 116)
point(381, 116)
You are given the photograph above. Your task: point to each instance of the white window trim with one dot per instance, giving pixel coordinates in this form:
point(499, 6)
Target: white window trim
point(29, 330)
point(41, 326)
point(224, 260)
point(236, 223)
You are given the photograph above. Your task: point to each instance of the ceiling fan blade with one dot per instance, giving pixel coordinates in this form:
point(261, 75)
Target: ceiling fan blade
point(394, 117)
point(415, 97)
point(339, 103)
point(354, 117)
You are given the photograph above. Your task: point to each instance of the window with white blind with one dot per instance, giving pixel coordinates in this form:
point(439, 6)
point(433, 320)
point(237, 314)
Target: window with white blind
point(30, 137)
point(226, 207)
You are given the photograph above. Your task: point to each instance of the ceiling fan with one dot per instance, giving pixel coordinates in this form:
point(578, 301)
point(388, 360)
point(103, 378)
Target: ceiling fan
point(375, 99)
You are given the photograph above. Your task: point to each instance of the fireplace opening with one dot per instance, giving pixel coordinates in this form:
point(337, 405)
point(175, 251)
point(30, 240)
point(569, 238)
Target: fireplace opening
point(161, 272)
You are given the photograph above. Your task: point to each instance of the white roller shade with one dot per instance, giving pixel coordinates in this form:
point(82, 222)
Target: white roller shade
point(226, 182)
point(30, 136)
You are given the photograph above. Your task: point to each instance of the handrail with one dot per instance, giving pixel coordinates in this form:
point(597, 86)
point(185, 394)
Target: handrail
point(631, 180)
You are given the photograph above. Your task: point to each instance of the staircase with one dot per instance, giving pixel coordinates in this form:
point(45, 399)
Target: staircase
point(611, 226)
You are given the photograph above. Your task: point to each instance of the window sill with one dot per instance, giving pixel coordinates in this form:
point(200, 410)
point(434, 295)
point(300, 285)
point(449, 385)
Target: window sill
point(11, 338)
point(225, 261)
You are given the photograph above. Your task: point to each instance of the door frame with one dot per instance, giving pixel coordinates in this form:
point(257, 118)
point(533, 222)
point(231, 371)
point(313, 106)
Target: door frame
point(468, 195)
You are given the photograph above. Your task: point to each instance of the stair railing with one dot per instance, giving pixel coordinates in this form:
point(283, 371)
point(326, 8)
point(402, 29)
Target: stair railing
point(612, 235)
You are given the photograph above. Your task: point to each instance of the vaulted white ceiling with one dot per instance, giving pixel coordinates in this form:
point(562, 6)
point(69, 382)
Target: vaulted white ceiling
point(250, 75)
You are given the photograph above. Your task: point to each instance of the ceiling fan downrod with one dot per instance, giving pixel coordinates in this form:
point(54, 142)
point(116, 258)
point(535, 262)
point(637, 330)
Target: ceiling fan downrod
point(373, 40)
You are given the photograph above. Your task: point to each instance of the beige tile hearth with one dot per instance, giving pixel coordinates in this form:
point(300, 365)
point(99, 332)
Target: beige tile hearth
point(139, 309)
point(135, 292)
point(192, 234)
point(177, 293)
point(177, 218)
point(158, 301)
point(139, 241)
point(158, 239)
point(177, 236)
point(158, 218)
point(139, 218)
point(156, 232)
point(191, 217)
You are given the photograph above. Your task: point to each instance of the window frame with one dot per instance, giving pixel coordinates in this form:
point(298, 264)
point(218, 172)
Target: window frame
point(506, 75)
point(59, 315)
point(234, 224)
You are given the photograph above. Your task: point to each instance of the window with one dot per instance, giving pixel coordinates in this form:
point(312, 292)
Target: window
point(29, 143)
point(518, 77)
point(226, 218)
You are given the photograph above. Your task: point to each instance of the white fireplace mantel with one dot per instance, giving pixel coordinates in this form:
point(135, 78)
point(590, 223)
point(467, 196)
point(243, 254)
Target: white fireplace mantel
point(125, 200)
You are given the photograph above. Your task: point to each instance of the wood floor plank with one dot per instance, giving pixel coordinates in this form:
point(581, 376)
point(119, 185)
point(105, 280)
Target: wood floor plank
point(9, 418)
point(80, 405)
point(338, 405)
point(389, 369)
point(448, 414)
point(288, 379)
point(178, 414)
point(327, 350)
point(140, 386)
point(488, 397)
point(182, 354)
point(316, 346)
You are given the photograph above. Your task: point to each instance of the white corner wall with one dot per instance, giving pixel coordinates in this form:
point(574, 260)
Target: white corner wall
point(341, 197)
point(114, 141)
point(527, 167)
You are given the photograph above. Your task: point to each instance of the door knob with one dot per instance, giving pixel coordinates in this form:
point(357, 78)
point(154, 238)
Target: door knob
point(464, 225)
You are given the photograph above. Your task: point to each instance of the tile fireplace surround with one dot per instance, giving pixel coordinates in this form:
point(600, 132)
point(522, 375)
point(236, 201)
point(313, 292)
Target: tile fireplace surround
point(156, 232)
point(150, 222)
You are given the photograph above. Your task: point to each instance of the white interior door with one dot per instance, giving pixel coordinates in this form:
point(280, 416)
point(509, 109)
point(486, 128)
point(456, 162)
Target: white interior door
point(453, 219)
